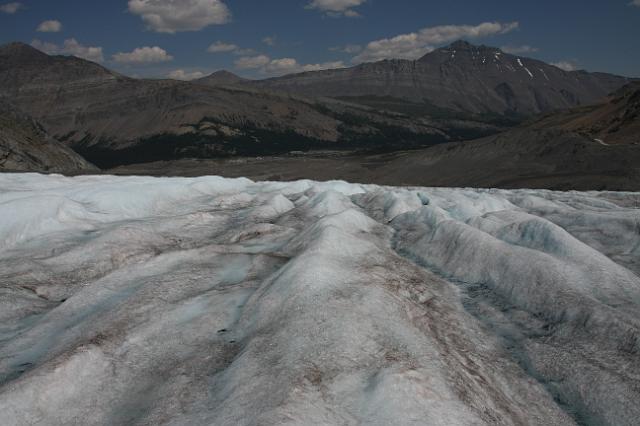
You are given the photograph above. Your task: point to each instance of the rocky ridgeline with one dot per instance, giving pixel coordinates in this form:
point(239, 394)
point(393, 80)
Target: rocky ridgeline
point(462, 78)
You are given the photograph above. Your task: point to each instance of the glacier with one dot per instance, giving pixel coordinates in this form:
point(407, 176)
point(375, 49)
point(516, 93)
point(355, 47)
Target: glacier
point(212, 301)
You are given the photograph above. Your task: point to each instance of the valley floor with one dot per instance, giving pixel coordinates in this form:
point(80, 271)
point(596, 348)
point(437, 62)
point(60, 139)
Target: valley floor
point(469, 164)
point(212, 301)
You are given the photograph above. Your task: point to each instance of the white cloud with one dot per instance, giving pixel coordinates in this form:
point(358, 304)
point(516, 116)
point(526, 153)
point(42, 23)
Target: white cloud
point(417, 44)
point(52, 26)
point(565, 65)
point(251, 62)
point(337, 8)
point(635, 3)
point(49, 48)
point(10, 8)
point(282, 66)
point(289, 65)
point(514, 50)
point(185, 75)
point(323, 66)
point(71, 47)
point(143, 55)
point(270, 41)
point(171, 16)
point(349, 48)
point(219, 47)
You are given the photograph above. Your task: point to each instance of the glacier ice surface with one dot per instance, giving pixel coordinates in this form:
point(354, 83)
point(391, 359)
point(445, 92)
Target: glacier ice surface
point(134, 300)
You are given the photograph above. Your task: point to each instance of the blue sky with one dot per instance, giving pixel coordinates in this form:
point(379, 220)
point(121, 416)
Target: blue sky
point(157, 38)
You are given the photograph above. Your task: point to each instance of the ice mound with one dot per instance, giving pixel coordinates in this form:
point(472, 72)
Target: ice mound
point(210, 301)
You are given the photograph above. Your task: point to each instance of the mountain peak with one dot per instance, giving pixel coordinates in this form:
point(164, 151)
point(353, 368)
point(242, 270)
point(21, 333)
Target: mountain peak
point(14, 44)
point(22, 64)
point(461, 45)
point(222, 77)
point(18, 48)
point(224, 73)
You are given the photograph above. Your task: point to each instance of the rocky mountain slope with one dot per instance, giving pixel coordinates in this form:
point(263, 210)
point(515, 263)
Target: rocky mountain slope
point(111, 119)
point(588, 148)
point(616, 121)
point(226, 302)
point(457, 78)
point(26, 146)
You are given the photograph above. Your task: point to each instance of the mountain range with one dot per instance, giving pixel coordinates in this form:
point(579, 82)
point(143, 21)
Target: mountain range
point(457, 93)
point(111, 119)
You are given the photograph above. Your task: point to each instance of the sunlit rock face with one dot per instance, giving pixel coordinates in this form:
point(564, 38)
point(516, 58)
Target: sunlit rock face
point(227, 302)
point(26, 146)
